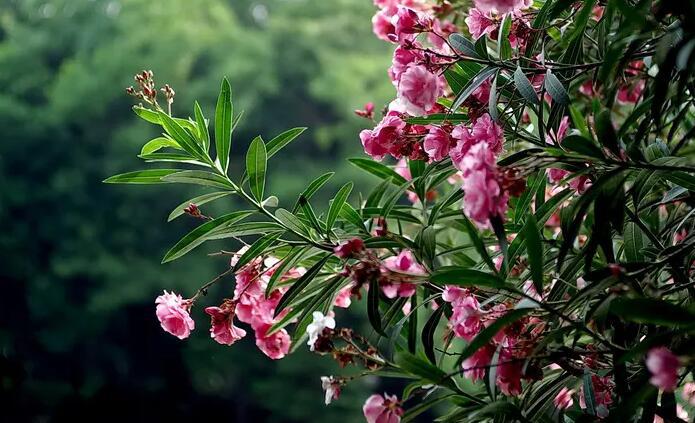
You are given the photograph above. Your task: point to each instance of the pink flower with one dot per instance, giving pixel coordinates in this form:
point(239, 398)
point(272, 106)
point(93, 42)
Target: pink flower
point(466, 319)
point(663, 365)
point(509, 373)
point(556, 175)
point(394, 268)
point(402, 58)
point(275, 346)
point(418, 89)
point(688, 393)
point(408, 22)
point(475, 365)
point(551, 137)
point(454, 294)
point(580, 184)
point(367, 112)
point(486, 130)
point(344, 297)
point(484, 197)
point(563, 400)
point(378, 141)
point(501, 6)
point(482, 93)
point(386, 409)
point(349, 248)
point(437, 143)
point(631, 93)
point(172, 312)
point(222, 329)
point(382, 26)
point(479, 23)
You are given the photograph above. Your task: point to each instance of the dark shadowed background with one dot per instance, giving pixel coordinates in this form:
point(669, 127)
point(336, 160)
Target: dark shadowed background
point(80, 267)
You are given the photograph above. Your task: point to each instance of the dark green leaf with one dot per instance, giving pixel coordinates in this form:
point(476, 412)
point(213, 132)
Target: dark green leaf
point(524, 86)
point(223, 125)
point(378, 169)
point(555, 88)
point(149, 176)
point(203, 132)
point(282, 140)
point(256, 163)
point(301, 283)
point(199, 177)
point(534, 249)
point(337, 205)
point(454, 275)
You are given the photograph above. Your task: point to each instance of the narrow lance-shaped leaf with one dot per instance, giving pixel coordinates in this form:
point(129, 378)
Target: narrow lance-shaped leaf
point(223, 125)
point(373, 307)
point(282, 140)
point(523, 85)
point(257, 248)
point(149, 176)
point(256, 163)
point(300, 284)
point(202, 125)
point(198, 235)
point(476, 82)
point(463, 44)
point(534, 248)
point(337, 205)
point(453, 275)
point(555, 88)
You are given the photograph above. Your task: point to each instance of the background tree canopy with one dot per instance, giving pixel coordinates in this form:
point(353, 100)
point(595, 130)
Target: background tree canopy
point(78, 335)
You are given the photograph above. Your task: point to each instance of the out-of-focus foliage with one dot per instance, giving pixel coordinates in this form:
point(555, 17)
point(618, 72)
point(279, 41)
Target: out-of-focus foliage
point(77, 327)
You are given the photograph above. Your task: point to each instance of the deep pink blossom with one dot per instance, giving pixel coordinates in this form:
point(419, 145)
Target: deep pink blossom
point(603, 394)
point(407, 22)
point(556, 175)
point(418, 89)
point(437, 143)
point(663, 365)
point(631, 92)
point(380, 140)
point(480, 23)
point(386, 409)
point(222, 327)
point(488, 131)
point(466, 318)
point(509, 373)
point(402, 58)
point(349, 248)
point(501, 6)
point(484, 197)
point(276, 345)
point(474, 366)
point(172, 312)
point(563, 400)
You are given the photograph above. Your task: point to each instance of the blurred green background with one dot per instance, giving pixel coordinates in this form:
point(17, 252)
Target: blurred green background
point(79, 260)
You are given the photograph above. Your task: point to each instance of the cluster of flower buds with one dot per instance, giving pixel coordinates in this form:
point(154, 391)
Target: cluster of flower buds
point(147, 90)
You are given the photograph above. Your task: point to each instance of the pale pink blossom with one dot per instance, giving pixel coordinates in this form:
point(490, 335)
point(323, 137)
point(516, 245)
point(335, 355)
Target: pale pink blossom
point(382, 409)
point(316, 327)
point(501, 6)
point(173, 314)
point(418, 89)
point(463, 142)
point(663, 365)
point(222, 328)
point(688, 393)
point(344, 297)
point(276, 345)
point(437, 143)
point(563, 400)
point(552, 137)
point(331, 388)
point(480, 23)
point(475, 365)
point(488, 131)
point(396, 270)
point(382, 26)
point(484, 197)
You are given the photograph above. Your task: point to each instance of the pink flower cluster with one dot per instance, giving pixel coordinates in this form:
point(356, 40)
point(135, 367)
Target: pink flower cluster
point(513, 343)
point(486, 18)
point(396, 271)
point(250, 305)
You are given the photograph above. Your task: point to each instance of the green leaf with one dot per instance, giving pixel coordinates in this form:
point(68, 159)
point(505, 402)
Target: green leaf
point(280, 141)
point(199, 235)
point(308, 212)
point(523, 85)
point(581, 145)
point(505, 47)
point(474, 83)
point(199, 177)
point(428, 332)
point(171, 157)
point(477, 242)
point(291, 221)
point(580, 21)
point(463, 44)
point(349, 214)
point(157, 144)
point(288, 262)
point(373, 307)
point(198, 201)
point(555, 88)
point(301, 283)
point(202, 125)
point(378, 169)
point(149, 176)
point(454, 275)
point(337, 205)
point(256, 249)
point(534, 249)
point(633, 242)
point(682, 179)
point(649, 310)
point(181, 136)
point(589, 396)
point(256, 163)
point(492, 99)
point(223, 125)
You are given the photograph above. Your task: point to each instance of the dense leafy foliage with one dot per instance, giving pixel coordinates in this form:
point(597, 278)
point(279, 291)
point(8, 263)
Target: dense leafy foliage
point(569, 127)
